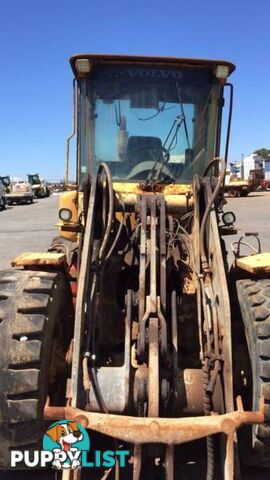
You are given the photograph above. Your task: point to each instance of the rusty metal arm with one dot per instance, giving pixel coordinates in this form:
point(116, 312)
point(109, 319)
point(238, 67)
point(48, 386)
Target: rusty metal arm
point(138, 430)
point(157, 430)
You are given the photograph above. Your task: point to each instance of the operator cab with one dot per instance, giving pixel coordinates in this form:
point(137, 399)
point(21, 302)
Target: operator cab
point(34, 179)
point(149, 119)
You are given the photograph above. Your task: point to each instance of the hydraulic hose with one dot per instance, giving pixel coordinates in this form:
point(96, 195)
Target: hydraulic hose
point(214, 195)
point(117, 236)
point(104, 166)
point(99, 258)
point(207, 410)
point(209, 381)
point(89, 375)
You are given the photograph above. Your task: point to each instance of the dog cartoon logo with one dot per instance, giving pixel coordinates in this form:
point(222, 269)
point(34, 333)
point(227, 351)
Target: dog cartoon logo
point(66, 440)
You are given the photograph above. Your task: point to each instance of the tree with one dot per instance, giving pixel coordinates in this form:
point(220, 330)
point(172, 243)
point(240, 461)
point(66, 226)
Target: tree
point(263, 152)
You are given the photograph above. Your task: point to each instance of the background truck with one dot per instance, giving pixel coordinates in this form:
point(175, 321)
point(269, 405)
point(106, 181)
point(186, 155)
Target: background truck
point(18, 191)
point(235, 186)
point(258, 181)
point(238, 187)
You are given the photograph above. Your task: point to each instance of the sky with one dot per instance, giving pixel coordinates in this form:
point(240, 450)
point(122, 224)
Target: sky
point(37, 37)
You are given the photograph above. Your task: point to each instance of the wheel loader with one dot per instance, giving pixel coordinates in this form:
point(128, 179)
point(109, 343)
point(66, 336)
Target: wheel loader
point(132, 324)
point(41, 190)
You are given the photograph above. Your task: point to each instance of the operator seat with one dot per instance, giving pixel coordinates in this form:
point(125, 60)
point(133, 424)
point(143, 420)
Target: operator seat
point(141, 149)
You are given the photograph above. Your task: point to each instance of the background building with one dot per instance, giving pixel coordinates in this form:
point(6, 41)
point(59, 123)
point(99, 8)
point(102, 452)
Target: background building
point(252, 162)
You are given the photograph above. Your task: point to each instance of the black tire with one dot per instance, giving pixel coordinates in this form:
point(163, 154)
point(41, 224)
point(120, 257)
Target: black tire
point(4, 203)
point(244, 193)
point(35, 332)
point(267, 187)
point(254, 303)
point(233, 193)
point(39, 194)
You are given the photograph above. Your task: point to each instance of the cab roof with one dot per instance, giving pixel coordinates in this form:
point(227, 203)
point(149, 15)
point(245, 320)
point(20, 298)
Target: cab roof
point(116, 59)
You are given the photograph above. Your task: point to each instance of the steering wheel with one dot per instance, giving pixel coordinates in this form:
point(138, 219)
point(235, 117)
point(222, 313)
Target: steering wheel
point(142, 170)
point(154, 160)
point(165, 152)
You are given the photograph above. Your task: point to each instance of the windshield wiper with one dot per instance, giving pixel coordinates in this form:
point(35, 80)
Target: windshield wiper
point(170, 139)
point(182, 112)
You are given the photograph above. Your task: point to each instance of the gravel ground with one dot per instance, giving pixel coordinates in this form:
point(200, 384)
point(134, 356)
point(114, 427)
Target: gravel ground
point(27, 228)
point(252, 215)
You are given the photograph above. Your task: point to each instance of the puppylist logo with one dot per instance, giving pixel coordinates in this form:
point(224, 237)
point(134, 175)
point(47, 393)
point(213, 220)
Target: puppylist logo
point(66, 445)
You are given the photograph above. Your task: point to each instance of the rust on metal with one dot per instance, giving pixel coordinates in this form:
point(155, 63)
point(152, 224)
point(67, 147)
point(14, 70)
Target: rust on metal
point(137, 462)
point(164, 430)
point(53, 413)
point(169, 462)
point(126, 59)
point(157, 430)
point(170, 431)
point(81, 293)
point(153, 369)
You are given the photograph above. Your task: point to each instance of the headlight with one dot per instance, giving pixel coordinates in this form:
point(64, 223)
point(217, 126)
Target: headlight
point(222, 72)
point(65, 215)
point(228, 218)
point(83, 66)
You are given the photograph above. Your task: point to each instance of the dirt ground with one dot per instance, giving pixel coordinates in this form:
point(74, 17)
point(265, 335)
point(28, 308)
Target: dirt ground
point(26, 228)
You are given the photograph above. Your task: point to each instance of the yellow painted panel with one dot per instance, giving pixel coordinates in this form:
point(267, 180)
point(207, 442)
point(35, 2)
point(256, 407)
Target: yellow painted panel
point(255, 263)
point(69, 200)
point(37, 258)
point(125, 187)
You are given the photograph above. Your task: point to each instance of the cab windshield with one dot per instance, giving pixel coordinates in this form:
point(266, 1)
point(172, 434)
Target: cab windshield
point(34, 179)
point(148, 122)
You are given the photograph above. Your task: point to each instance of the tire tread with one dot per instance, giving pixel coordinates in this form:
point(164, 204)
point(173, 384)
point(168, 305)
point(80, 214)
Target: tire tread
point(28, 302)
point(254, 302)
